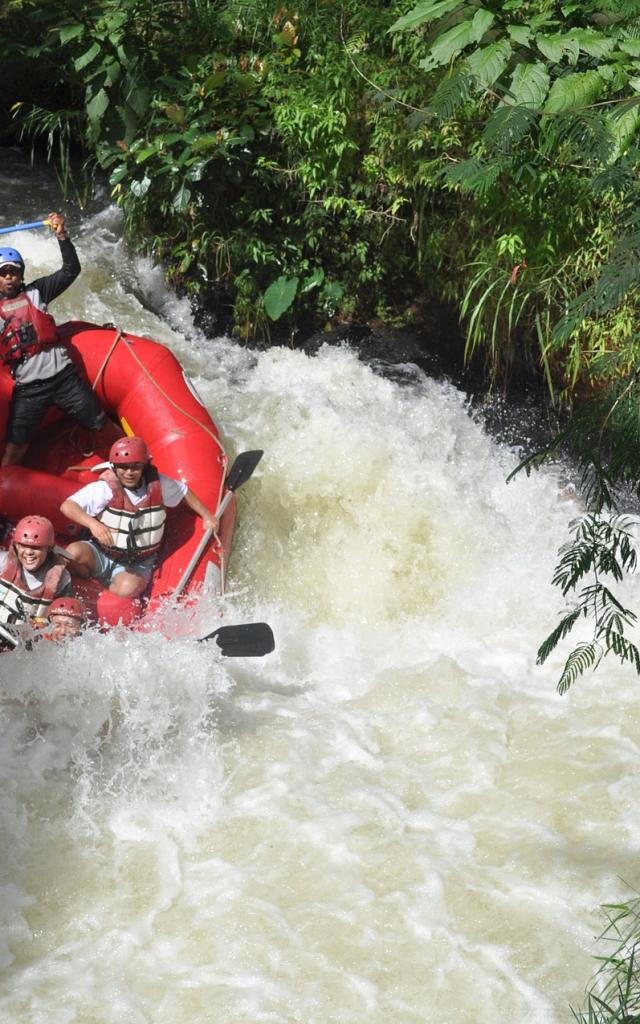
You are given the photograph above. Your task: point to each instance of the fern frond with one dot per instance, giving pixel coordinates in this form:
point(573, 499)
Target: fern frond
point(452, 92)
point(507, 126)
point(563, 628)
point(583, 656)
point(616, 178)
point(474, 175)
point(623, 649)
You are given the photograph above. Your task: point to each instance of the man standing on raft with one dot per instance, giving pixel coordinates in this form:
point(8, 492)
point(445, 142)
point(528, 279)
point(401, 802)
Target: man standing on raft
point(39, 362)
point(125, 512)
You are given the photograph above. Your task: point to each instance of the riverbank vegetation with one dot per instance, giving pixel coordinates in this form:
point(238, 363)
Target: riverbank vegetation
point(613, 997)
point(315, 164)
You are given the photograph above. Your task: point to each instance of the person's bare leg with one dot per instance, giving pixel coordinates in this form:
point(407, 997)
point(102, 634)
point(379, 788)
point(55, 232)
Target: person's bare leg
point(81, 561)
point(13, 453)
point(128, 584)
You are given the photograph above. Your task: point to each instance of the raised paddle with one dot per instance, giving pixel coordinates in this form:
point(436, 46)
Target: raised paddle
point(238, 475)
point(25, 227)
point(251, 640)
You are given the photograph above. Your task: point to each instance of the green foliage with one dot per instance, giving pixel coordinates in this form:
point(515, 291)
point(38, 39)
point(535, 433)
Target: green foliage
point(553, 88)
point(246, 146)
point(613, 997)
point(601, 547)
point(279, 296)
point(604, 436)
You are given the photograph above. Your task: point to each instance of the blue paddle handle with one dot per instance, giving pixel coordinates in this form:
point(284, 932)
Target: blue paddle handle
point(23, 227)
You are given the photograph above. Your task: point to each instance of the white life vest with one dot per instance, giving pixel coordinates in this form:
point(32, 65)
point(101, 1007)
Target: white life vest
point(17, 602)
point(137, 529)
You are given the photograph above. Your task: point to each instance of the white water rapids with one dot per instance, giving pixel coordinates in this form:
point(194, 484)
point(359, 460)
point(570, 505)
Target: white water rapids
point(394, 818)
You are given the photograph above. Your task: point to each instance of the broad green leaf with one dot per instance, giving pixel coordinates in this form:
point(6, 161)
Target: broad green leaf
point(520, 33)
point(144, 154)
point(630, 46)
point(451, 43)
point(140, 188)
point(423, 13)
point(541, 20)
point(118, 174)
point(175, 113)
point(482, 21)
point(279, 296)
point(596, 44)
point(116, 19)
point(574, 90)
point(86, 58)
point(68, 32)
point(97, 106)
point(208, 141)
point(616, 75)
point(314, 279)
point(623, 125)
point(529, 85)
point(214, 81)
point(111, 71)
point(556, 47)
point(181, 199)
point(488, 63)
point(138, 97)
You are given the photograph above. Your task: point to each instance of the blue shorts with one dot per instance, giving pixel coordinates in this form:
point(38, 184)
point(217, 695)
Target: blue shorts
point(107, 568)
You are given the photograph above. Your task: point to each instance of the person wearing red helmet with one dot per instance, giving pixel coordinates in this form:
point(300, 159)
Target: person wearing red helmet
point(125, 513)
point(67, 616)
point(39, 362)
point(31, 575)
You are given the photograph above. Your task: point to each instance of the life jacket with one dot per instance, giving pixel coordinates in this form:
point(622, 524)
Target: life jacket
point(17, 602)
point(137, 529)
point(24, 329)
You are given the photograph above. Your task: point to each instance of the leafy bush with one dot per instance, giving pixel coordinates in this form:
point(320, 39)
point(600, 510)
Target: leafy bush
point(252, 151)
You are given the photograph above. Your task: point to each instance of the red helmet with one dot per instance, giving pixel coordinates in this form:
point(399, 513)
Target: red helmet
point(34, 531)
point(71, 606)
point(128, 449)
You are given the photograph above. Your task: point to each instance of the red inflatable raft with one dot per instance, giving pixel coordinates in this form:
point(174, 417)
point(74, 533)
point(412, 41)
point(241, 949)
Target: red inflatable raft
point(144, 391)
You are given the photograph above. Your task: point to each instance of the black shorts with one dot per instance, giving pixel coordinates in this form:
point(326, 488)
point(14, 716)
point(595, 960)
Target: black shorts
point(67, 390)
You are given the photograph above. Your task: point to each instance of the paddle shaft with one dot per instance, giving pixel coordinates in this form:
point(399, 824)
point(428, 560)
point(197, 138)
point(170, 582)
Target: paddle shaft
point(24, 227)
point(195, 558)
point(238, 475)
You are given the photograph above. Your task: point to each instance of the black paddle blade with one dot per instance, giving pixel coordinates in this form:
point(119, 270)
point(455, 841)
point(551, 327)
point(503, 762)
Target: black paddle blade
point(250, 640)
point(242, 469)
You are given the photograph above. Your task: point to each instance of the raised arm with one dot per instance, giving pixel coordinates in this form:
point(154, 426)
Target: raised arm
point(55, 284)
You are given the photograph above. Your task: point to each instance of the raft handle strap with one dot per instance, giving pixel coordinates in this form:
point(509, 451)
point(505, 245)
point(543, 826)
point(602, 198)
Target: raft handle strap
point(107, 358)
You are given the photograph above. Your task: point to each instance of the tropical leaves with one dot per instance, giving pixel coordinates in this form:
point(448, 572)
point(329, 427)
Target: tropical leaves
point(602, 546)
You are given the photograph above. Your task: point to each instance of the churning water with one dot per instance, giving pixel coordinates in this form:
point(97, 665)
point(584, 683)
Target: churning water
point(393, 818)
